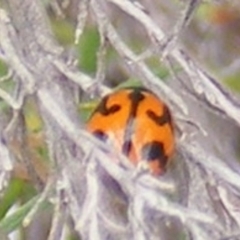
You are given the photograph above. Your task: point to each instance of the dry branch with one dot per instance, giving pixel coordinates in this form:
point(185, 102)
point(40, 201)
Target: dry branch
point(87, 180)
point(203, 85)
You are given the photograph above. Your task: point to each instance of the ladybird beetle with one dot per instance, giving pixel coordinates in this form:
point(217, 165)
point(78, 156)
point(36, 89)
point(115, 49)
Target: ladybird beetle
point(138, 124)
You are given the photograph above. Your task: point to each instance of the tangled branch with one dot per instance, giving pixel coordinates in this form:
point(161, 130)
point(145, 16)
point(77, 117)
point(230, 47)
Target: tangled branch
point(107, 200)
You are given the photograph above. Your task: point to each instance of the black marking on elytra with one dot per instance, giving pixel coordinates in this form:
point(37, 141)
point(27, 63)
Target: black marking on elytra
point(104, 110)
point(100, 135)
point(135, 96)
point(126, 148)
point(153, 151)
point(160, 120)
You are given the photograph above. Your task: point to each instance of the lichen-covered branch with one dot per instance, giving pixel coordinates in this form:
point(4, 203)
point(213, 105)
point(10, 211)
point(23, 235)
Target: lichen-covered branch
point(107, 200)
point(203, 86)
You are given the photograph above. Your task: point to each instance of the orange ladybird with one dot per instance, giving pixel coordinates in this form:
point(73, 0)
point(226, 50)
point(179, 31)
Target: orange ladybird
point(138, 124)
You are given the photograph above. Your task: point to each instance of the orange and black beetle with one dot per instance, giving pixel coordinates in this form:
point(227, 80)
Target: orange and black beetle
point(138, 124)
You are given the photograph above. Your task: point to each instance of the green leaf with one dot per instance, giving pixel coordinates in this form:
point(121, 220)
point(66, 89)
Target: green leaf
point(3, 68)
point(87, 50)
point(63, 30)
point(17, 190)
point(85, 109)
point(12, 193)
point(233, 82)
point(131, 82)
point(13, 221)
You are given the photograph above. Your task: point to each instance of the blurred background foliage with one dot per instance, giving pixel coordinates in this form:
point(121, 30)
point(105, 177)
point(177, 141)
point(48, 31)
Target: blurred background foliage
point(212, 38)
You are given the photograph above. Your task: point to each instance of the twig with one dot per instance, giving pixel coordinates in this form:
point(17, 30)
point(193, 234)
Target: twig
point(170, 43)
point(43, 196)
point(82, 19)
point(57, 8)
point(7, 76)
point(6, 166)
point(209, 90)
point(83, 80)
point(58, 221)
point(101, 55)
point(10, 101)
point(137, 67)
point(202, 84)
point(194, 152)
point(7, 33)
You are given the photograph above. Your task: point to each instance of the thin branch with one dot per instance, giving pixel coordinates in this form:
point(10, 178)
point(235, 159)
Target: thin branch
point(101, 55)
point(209, 90)
point(82, 19)
point(7, 76)
point(203, 85)
point(6, 164)
point(43, 196)
point(169, 44)
point(59, 218)
point(194, 152)
point(57, 8)
point(83, 80)
point(10, 101)
point(7, 34)
point(137, 67)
